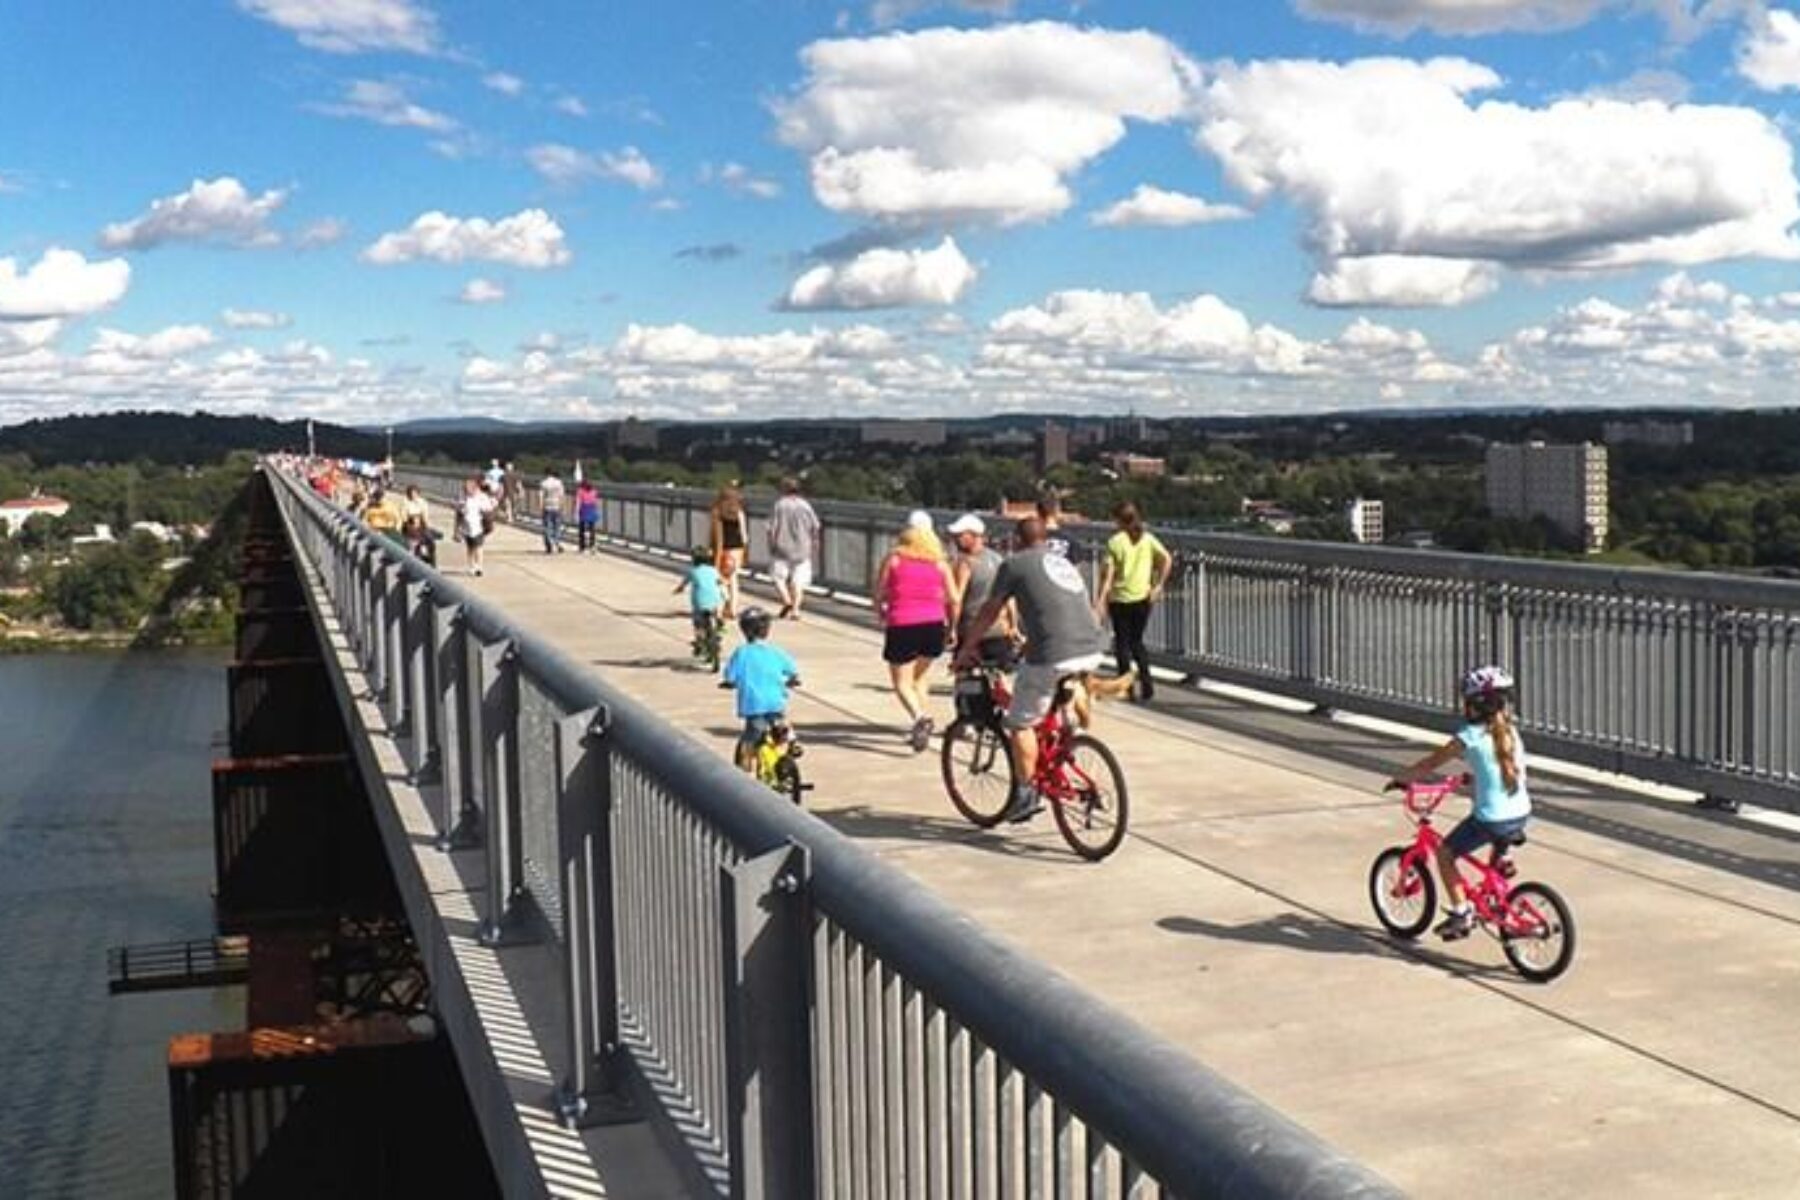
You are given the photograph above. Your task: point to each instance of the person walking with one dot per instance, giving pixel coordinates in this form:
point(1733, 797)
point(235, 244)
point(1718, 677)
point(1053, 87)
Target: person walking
point(973, 574)
point(415, 526)
point(917, 599)
point(551, 494)
point(793, 540)
point(475, 520)
point(730, 538)
point(587, 515)
point(1133, 573)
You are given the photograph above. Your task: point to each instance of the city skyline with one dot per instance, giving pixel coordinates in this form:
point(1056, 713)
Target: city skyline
point(372, 211)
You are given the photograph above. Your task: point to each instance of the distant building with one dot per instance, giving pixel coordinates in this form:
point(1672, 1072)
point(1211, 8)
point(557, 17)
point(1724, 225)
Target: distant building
point(633, 434)
point(102, 536)
point(14, 513)
point(903, 433)
point(1053, 446)
point(1566, 484)
point(1137, 466)
point(1269, 515)
point(1366, 521)
point(1665, 434)
point(1132, 431)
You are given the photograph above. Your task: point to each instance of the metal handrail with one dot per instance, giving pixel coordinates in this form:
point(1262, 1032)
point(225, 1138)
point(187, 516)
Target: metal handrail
point(1684, 678)
point(1166, 1115)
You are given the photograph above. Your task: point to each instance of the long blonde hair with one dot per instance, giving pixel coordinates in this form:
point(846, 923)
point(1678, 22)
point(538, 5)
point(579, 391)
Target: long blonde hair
point(915, 542)
point(1506, 747)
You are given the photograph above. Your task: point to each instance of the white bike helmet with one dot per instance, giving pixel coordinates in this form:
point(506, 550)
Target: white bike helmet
point(1487, 689)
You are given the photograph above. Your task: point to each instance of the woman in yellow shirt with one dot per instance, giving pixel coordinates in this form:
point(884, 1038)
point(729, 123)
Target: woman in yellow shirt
point(1132, 576)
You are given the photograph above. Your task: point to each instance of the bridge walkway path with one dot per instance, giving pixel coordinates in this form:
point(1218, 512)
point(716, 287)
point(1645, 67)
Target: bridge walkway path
point(1235, 919)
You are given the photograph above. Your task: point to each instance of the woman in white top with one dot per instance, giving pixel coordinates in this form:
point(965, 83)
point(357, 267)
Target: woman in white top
point(474, 520)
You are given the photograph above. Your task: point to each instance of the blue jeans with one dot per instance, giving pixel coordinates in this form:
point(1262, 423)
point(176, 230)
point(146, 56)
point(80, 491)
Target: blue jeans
point(552, 529)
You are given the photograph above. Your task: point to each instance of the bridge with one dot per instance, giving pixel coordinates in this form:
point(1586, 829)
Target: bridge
point(658, 979)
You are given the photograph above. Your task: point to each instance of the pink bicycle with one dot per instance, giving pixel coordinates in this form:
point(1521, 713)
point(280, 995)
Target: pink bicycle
point(1535, 928)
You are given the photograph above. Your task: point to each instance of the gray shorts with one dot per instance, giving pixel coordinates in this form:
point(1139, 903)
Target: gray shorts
point(1034, 688)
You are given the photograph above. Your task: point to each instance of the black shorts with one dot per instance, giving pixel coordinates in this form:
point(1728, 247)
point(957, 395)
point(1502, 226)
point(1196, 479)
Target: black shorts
point(909, 643)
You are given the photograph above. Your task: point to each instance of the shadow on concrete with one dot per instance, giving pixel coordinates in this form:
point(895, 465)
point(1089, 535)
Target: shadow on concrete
point(860, 821)
point(684, 664)
point(1320, 935)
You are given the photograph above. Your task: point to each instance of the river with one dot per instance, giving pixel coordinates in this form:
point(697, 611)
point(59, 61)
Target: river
point(105, 840)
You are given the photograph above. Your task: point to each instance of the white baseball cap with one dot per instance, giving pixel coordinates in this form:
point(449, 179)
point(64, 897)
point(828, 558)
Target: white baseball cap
point(968, 523)
point(918, 518)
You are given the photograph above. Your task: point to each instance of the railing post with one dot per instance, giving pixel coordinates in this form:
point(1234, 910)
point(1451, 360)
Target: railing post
point(393, 644)
point(766, 921)
point(593, 1090)
point(494, 743)
point(459, 823)
point(416, 646)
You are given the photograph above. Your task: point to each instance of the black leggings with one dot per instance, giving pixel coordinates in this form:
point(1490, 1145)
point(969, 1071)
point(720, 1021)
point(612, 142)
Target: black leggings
point(1129, 622)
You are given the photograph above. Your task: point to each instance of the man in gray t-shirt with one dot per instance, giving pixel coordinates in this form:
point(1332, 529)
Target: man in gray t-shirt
point(550, 496)
point(793, 532)
point(1061, 638)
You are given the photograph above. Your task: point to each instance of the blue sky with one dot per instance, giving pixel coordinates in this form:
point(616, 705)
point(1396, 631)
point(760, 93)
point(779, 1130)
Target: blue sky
point(379, 209)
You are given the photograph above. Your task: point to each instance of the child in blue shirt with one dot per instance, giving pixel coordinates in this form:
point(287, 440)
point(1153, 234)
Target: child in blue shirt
point(705, 597)
point(1489, 744)
point(762, 673)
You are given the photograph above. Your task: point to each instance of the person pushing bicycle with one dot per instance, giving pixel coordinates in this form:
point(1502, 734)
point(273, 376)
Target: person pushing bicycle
point(1061, 639)
point(1489, 743)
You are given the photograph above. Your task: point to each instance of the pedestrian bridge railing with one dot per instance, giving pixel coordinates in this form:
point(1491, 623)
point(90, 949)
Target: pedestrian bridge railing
point(1682, 678)
point(803, 1018)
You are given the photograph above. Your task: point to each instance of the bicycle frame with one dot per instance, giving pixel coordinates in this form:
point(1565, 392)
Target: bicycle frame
point(1490, 893)
point(1055, 765)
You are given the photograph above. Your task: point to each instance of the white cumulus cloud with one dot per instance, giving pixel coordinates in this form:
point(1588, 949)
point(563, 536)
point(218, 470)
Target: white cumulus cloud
point(352, 26)
point(1769, 54)
point(530, 239)
point(172, 342)
point(886, 278)
point(62, 283)
point(251, 318)
point(1391, 157)
point(386, 103)
point(950, 125)
point(326, 231)
point(1151, 205)
point(736, 177)
point(567, 166)
point(504, 83)
point(220, 211)
point(1403, 281)
point(481, 291)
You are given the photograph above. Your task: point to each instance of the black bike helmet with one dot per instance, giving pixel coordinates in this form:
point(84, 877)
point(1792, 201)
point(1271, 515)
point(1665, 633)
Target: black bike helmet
point(754, 623)
point(1486, 690)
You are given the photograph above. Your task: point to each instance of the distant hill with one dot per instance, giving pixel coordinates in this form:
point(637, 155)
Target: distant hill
point(173, 438)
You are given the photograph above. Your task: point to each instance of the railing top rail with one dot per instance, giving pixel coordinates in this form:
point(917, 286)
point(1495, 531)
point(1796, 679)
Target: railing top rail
point(1189, 1127)
point(1645, 583)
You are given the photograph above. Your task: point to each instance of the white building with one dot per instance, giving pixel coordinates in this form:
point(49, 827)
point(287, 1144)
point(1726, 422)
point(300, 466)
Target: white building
point(14, 513)
point(1566, 484)
point(1366, 521)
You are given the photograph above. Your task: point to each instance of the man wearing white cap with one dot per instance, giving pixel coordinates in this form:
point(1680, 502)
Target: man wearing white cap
point(974, 570)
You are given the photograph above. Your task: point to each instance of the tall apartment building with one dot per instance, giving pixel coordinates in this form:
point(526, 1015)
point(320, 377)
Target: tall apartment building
point(1053, 446)
point(1566, 484)
point(1367, 521)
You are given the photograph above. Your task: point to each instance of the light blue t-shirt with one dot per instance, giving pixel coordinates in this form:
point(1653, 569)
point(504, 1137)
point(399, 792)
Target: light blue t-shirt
point(704, 593)
point(1492, 801)
point(760, 672)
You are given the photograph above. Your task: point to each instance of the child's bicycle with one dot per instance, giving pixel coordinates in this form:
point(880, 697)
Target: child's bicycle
point(1535, 928)
point(708, 640)
point(1077, 775)
point(774, 758)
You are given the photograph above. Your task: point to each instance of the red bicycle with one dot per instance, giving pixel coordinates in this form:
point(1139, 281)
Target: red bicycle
point(1533, 924)
point(1077, 775)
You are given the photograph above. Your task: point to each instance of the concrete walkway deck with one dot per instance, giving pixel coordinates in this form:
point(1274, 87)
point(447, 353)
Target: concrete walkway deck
point(1235, 920)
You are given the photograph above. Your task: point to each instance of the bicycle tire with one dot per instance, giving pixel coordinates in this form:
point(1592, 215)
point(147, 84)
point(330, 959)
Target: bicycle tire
point(977, 770)
point(1384, 883)
point(787, 779)
point(1085, 814)
point(1543, 905)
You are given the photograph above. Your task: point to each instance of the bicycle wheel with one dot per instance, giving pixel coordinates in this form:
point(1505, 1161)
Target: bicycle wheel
point(977, 771)
point(787, 779)
point(1405, 898)
point(1093, 808)
point(1539, 939)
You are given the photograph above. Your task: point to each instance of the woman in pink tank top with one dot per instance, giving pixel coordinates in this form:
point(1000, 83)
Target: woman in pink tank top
point(916, 596)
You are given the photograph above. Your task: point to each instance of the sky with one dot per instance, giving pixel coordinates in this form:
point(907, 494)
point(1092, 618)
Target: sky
point(371, 211)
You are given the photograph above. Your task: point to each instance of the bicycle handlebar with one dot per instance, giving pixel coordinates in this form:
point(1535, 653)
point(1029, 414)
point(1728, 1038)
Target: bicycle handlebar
point(1423, 797)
